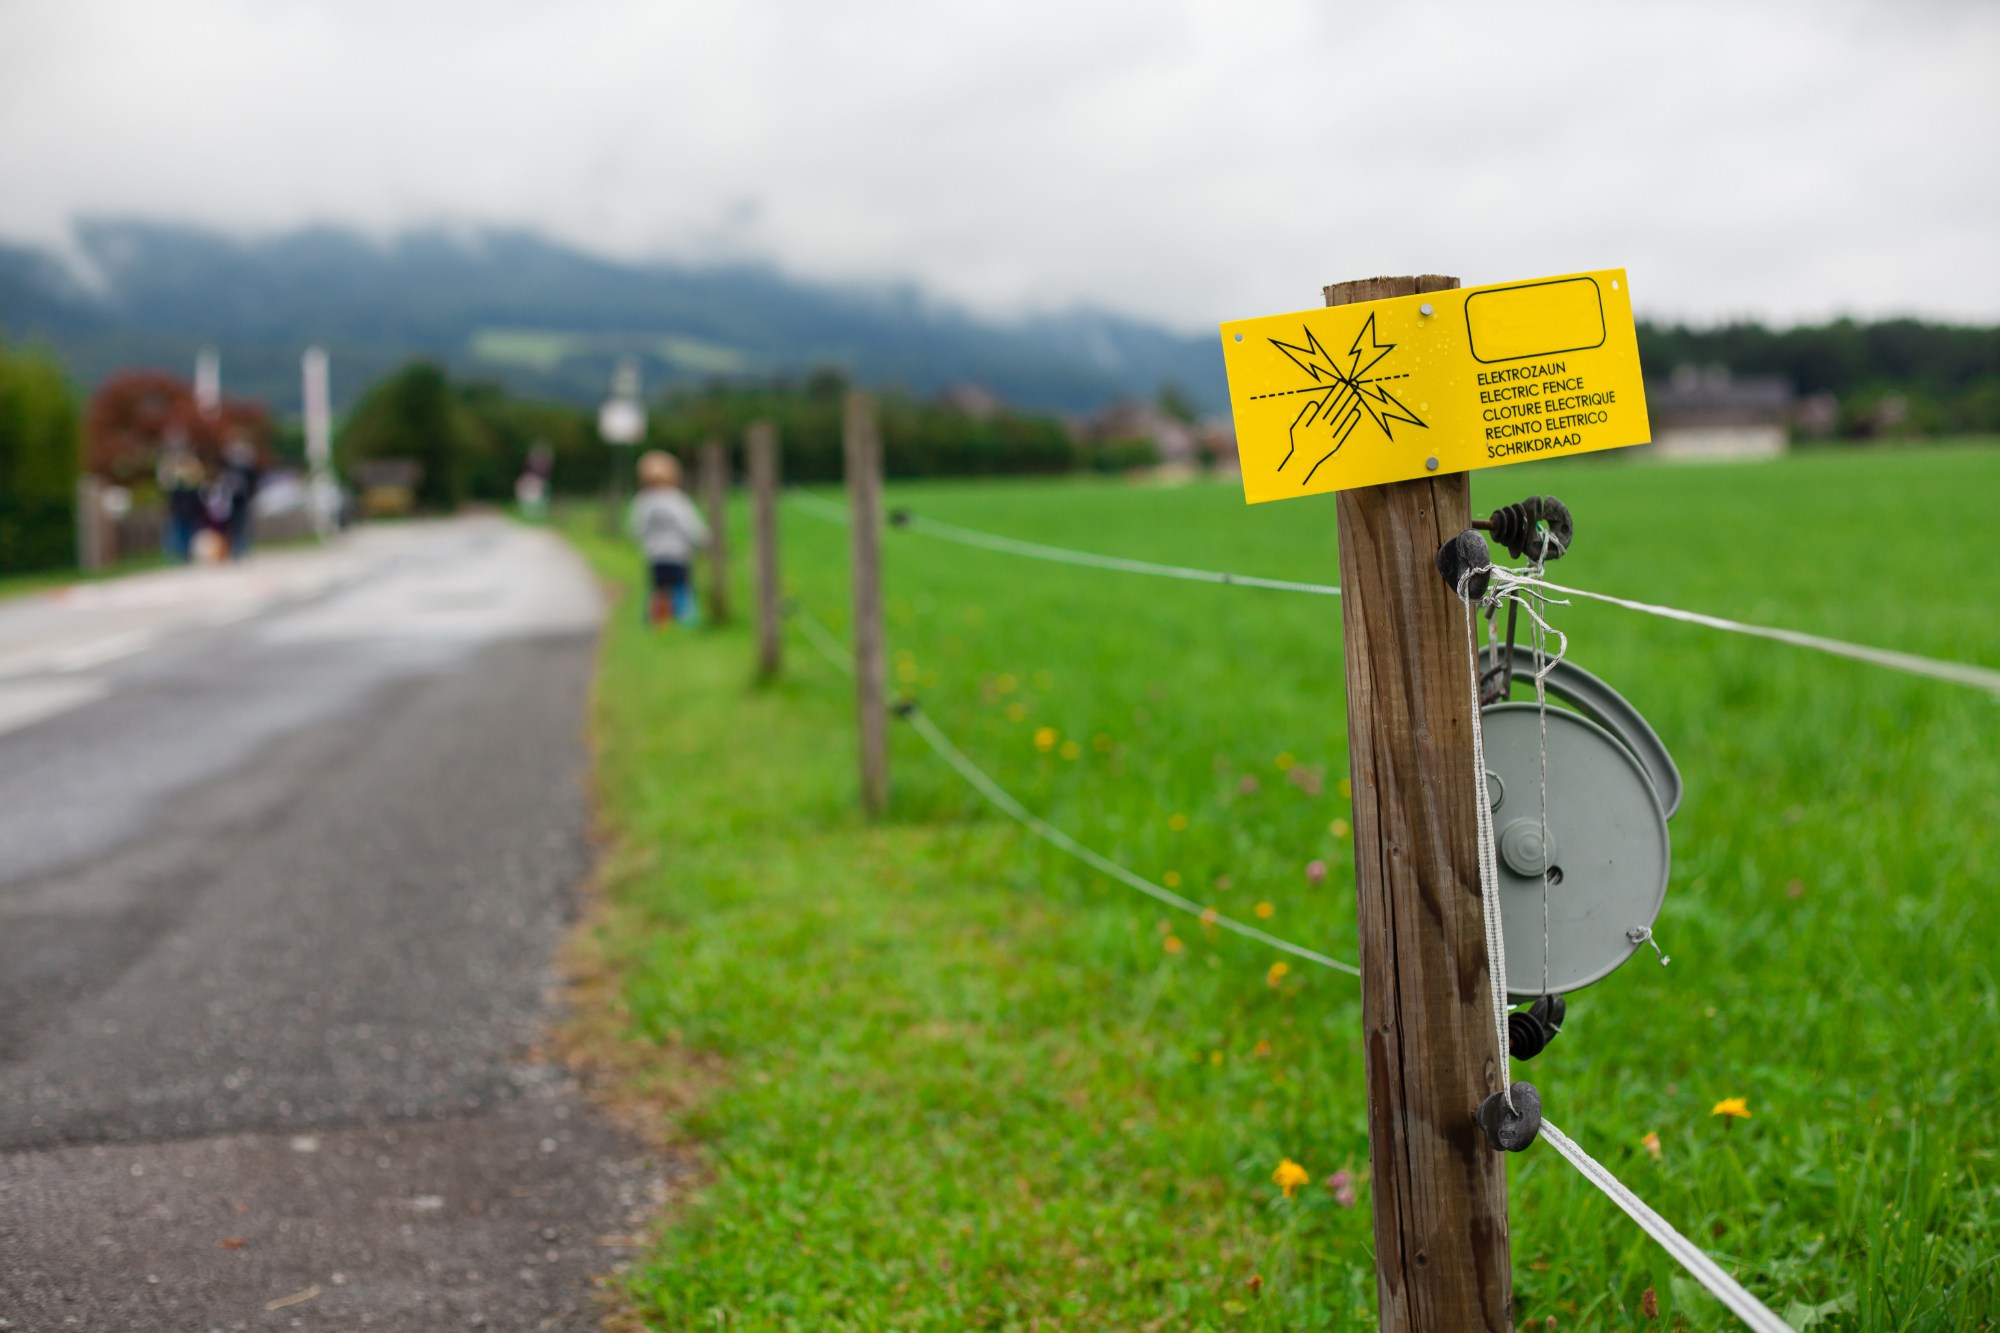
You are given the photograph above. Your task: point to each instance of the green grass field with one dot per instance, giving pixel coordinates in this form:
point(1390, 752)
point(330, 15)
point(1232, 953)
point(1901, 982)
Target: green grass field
point(972, 1084)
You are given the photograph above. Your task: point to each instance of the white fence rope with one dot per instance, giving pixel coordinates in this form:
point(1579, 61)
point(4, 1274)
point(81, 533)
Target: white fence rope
point(1683, 1251)
point(1957, 673)
point(838, 654)
point(988, 541)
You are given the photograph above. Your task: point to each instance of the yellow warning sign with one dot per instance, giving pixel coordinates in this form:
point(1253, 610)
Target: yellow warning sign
point(1356, 395)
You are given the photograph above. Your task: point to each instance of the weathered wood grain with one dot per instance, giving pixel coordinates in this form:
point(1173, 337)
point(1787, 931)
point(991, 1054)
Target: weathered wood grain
point(1440, 1193)
point(863, 445)
point(760, 442)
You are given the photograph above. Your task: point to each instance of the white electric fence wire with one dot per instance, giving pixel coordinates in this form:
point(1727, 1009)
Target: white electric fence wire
point(1683, 1251)
point(1958, 673)
point(1489, 869)
point(951, 532)
point(836, 653)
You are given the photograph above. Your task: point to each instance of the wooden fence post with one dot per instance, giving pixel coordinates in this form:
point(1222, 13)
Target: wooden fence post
point(1442, 1260)
point(715, 495)
point(761, 443)
point(91, 521)
point(863, 446)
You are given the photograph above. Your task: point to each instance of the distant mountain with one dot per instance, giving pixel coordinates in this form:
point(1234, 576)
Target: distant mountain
point(546, 320)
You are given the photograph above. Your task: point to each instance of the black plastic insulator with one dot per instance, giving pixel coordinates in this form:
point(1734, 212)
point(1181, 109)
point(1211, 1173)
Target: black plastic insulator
point(1525, 1037)
point(899, 518)
point(1512, 1129)
point(1530, 1030)
point(903, 707)
point(1466, 552)
point(1517, 527)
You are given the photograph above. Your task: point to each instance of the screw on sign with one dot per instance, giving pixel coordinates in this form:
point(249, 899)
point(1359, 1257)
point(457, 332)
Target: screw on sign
point(1388, 397)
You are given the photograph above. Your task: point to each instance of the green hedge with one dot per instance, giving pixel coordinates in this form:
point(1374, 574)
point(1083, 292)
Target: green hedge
point(919, 439)
point(40, 454)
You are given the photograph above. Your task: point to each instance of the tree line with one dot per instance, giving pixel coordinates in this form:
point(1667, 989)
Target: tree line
point(1948, 375)
point(473, 438)
point(41, 445)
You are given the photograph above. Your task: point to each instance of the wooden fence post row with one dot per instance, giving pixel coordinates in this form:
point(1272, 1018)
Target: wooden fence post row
point(1440, 1193)
point(715, 496)
point(863, 447)
point(761, 443)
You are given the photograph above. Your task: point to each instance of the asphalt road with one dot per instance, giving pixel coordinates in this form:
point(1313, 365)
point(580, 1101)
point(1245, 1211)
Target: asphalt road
point(286, 851)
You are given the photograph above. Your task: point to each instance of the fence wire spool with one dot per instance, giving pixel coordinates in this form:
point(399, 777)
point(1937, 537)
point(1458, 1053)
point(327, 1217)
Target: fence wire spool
point(1611, 788)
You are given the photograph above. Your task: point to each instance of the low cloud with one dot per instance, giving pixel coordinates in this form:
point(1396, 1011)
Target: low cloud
point(1189, 162)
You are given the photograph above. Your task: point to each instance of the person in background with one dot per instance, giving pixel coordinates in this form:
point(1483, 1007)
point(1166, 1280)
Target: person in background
point(181, 481)
point(235, 490)
point(531, 488)
point(669, 530)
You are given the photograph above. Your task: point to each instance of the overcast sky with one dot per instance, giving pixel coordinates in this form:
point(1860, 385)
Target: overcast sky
point(1187, 161)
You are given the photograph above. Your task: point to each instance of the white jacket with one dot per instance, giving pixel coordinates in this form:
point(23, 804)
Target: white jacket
point(666, 525)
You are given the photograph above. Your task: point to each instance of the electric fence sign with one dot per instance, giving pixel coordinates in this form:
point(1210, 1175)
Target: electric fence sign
point(1378, 391)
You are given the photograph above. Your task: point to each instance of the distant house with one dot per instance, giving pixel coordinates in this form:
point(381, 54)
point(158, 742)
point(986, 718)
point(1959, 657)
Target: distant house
point(1218, 446)
point(1710, 414)
point(972, 400)
point(1175, 442)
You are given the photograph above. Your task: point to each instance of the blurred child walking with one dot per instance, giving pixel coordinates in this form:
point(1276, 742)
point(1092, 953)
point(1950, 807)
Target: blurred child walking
point(669, 530)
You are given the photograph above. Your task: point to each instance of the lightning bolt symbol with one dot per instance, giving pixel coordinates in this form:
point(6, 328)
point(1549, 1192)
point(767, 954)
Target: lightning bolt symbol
point(1356, 352)
point(1312, 358)
point(1385, 408)
point(1337, 400)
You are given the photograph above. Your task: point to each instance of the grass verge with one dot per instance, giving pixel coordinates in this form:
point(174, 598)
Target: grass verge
point(956, 1080)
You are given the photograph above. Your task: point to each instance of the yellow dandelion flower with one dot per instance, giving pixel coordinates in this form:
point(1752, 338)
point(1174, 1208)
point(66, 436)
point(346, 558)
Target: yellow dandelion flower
point(906, 671)
point(1277, 973)
point(1339, 828)
point(1172, 879)
point(1177, 822)
point(1651, 1143)
point(1265, 910)
point(1045, 739)
point(1263, 1047)
point(1215, 1057)
point(1346, 788)
point(1071, 750)
point(1005, 684)
point(1172, 944)
point(1015, 712)
point(1208, 916)
point(1289, 1176)
point(1734, 1106)
point(1285, 762)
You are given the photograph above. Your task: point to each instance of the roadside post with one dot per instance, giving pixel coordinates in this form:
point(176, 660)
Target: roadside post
point(96, 537)
point(863, 446)
point(322, 490)
point(715, 496)
point(622, 423)
point(760, 442)
point(1390, 404)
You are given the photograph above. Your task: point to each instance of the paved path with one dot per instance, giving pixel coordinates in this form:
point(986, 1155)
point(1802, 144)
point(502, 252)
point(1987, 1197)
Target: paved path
point(285, 854)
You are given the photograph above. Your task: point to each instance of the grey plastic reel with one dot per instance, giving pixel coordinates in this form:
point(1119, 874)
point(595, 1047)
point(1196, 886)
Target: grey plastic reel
point(1612, 786)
